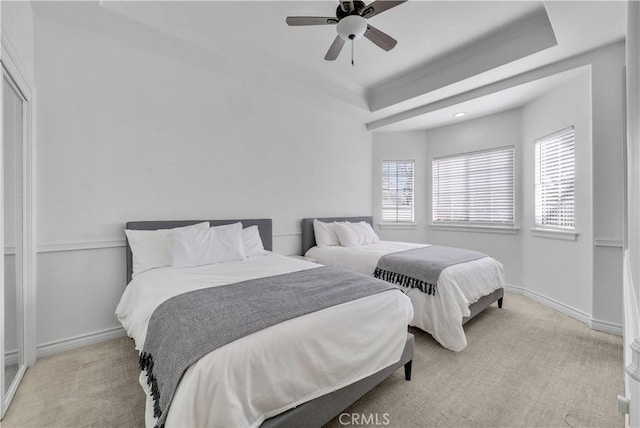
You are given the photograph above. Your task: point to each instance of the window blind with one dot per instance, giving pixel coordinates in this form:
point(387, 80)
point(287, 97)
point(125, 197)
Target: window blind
point(475, 188)
point(397, 191)
point(555, 182)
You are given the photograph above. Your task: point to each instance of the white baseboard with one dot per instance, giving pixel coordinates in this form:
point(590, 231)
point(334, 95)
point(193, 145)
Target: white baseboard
point(79, 341)
point(606, 326)
point(574, 313)
point(10, 358)
point(552, 303)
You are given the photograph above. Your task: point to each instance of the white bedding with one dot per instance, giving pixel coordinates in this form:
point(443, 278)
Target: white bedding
point(458, 286)
point(273, 370)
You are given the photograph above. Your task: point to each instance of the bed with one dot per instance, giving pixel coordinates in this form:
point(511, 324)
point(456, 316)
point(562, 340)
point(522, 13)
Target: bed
point(296, 378)
point(470, 287)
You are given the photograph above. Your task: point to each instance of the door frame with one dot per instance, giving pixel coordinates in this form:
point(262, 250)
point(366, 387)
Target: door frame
point(11, 67)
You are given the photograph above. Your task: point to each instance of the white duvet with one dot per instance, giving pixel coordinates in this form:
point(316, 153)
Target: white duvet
point(268, 372)
point(458, 286)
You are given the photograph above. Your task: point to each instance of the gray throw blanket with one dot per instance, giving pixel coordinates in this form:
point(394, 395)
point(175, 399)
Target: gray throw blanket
point(421, 267)
point(187, 327)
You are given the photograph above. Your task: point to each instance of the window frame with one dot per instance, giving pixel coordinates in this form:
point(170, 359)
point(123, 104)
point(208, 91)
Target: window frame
point(386, 223)
point(508, 227)
point(541, 229)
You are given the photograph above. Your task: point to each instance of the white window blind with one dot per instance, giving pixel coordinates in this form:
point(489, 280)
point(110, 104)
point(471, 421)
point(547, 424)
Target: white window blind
point(397, 191)
point(555, 205)
point(475, 188)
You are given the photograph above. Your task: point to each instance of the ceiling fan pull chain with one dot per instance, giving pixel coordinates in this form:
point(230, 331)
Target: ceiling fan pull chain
point(352, 63)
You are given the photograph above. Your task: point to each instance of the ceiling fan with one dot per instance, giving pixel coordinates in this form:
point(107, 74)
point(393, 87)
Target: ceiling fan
point(351, 24)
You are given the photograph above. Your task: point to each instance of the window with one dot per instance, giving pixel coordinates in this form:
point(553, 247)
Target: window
point(475, 188)
point(555, 205)
point(397, 191)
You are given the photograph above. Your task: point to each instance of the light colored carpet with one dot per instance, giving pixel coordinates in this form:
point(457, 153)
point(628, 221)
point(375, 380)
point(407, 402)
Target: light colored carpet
point(525, 366)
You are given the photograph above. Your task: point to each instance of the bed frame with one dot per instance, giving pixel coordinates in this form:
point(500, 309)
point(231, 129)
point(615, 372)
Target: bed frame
point(317, 412)
point(309, 240)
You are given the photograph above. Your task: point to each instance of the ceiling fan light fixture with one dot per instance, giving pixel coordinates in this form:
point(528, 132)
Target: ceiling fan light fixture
point(352, 27)
point(351, 24)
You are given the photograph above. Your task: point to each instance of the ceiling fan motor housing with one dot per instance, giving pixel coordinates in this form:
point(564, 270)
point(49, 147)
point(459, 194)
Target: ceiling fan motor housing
point(345, 8)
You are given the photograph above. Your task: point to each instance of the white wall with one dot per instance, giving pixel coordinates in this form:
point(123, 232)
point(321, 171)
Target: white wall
point(128, 132)
point(499, 130)
point(17, 27)
point(401, 146)
point(558, 269)
point(608, 183)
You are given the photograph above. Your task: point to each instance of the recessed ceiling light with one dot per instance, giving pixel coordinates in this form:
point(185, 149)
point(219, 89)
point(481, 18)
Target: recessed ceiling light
point(461, 114)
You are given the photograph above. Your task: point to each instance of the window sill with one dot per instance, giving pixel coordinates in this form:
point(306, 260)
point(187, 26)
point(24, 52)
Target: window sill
point(505, 230)
point(564, 235)
point(398, 226)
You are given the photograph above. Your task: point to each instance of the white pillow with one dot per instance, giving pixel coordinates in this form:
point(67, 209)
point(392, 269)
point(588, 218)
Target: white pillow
point(150, 248)
point(347, 236)
point(354, 234)
point(202, 247)
point(252, 242)
point(325, 234)
point(371, 237)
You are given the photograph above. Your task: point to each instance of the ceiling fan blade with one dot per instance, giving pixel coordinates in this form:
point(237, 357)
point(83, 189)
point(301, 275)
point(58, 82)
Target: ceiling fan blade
point(334, 49)
point(381, 39)
point(310, 20)
point(380, 6)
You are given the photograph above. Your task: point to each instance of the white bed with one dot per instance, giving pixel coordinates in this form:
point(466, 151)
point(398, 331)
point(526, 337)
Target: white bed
point(442, 315)
point(266, 373)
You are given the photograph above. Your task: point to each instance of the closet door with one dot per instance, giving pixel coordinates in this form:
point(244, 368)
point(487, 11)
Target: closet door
point(13, 129)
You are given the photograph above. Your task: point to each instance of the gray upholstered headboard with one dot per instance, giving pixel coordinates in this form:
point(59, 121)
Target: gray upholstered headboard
point(309, 238)
point(264, 227)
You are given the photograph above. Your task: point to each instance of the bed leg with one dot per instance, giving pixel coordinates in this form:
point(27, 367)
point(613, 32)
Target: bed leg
point(500, 302)
point(407, 370)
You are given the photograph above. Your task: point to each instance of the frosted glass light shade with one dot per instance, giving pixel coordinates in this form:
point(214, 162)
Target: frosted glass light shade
point(352, 27)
